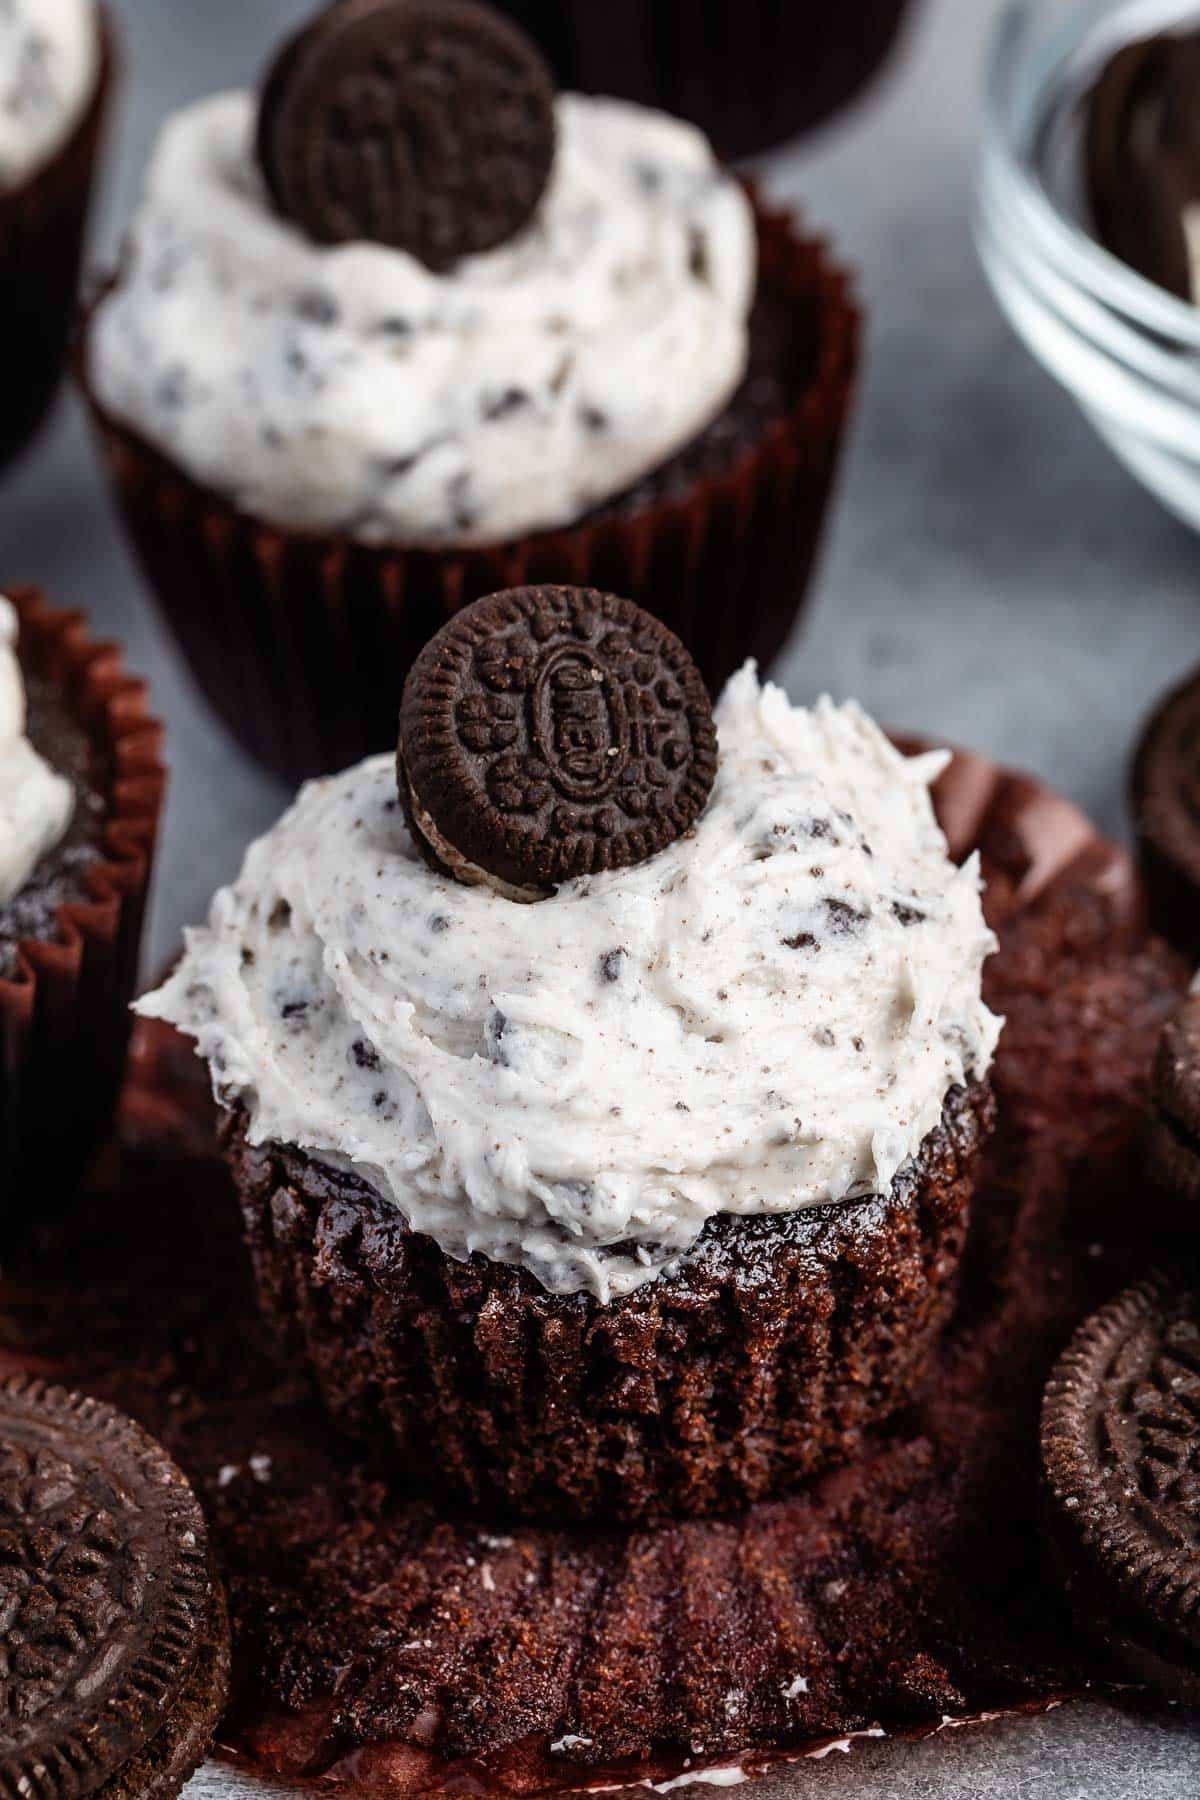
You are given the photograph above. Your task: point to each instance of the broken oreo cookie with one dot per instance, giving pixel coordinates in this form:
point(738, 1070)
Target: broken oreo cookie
point(551, 732)
point(1121, 1464)
point(1165, 797)
point(114, 1640)
point(425, 125)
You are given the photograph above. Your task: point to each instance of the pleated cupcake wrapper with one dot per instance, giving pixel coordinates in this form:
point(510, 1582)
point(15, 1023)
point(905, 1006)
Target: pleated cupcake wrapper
point(767, 1360)
point(42, 226)
point(752, 73)
point(302, 643)
point(64, 1017)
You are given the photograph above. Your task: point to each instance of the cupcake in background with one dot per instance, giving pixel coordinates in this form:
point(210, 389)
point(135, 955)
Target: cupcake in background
point(343, 386)
point(55, 76)
point(81, 787)
point(751, 73)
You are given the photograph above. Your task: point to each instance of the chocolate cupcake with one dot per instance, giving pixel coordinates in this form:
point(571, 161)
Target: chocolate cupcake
point(80, 791)
point(751, 73)
point(56, 60)
point(329, 427)
point(643, 1197)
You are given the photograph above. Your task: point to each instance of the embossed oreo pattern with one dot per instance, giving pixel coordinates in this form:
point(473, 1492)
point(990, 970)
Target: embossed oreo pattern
point(425, 125)
point(1121, 1456)
point(551, 732)
point(104, 1590)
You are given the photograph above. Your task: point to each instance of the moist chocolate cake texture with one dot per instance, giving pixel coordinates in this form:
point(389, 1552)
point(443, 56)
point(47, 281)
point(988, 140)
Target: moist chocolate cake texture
point(61, 875)
point(397, 1643)
point(769, 1356)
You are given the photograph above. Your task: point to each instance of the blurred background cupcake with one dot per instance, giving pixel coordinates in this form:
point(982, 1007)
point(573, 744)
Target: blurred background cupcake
point(56, 69)
point(81, 788)
point(342, 391)
point(751, 73)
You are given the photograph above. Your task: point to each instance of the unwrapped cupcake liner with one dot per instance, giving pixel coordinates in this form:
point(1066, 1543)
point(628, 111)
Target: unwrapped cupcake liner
point(42, 226)
point(64, 1017)
point(301, 643)
point(752, 73)
point(769, 1355)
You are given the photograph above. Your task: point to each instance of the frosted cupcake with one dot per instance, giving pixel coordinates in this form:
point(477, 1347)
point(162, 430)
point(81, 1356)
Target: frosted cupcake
point(80, 791)
point(643, 1198)
point(55, 76)
point(335, 410)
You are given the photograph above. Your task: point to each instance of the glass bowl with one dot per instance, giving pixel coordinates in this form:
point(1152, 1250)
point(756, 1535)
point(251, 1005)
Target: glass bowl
point(1126, 350)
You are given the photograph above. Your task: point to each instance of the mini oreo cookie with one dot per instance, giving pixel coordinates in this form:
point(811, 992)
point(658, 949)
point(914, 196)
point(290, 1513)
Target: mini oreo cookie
point(1165, 797)
point(425, 125)
point(551, 732)
point(1173, 1138)
point(1121, 1465)
point(1143, 156)
point(114, 1639)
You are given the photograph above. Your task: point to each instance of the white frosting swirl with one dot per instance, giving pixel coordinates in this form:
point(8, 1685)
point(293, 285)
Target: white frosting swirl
point(766, 1016)
point(49, 65)
point(35, 803)
point(351, 390)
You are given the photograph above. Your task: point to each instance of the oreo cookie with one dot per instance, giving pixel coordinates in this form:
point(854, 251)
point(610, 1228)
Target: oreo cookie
point(1165, 797)
point(552, 732)
point(1143, 157)
point(1121, 1464)
point(114, 1640)
point(425, 125)
point(1173, 1137)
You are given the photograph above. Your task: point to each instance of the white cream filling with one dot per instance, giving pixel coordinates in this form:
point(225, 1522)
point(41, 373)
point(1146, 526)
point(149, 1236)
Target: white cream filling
point(766, 1016)
point(49, 66)
point(351, 390)
point(36, 804)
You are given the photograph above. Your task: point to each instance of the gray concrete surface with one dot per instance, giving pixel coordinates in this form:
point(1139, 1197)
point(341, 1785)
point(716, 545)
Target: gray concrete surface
point(992, 577)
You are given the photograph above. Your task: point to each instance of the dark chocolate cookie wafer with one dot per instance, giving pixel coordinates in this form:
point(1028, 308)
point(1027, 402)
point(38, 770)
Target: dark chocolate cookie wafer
point(114, 1641)
point(1165, 797)
point(1121, 1461)
point(1143, 157)
point(427, 125)
point(1173, 1138)
point(550, 732)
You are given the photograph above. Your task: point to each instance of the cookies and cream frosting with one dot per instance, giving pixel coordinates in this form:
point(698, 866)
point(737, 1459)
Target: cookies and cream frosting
point(49, 66)
point(766, 1016)
point(351, 390)
point(36, 803)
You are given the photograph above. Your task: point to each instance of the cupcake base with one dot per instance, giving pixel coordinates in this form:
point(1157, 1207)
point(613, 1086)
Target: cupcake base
point(391, 1645)
point(302, 643)
point(64, 996)
point(770, 1355)
point(42, 226)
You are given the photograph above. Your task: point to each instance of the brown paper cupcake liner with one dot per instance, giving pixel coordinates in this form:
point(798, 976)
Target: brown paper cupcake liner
point(752, 73)
point(64, 1017)
point(302, 644)
point(42, 227)
point(769, 1356)
point(390, 1645)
